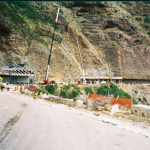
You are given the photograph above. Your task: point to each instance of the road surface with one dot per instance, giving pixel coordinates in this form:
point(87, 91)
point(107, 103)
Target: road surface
point(28, 124)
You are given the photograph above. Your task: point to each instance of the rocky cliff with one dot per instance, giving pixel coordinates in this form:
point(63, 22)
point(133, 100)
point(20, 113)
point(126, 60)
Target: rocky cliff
point(113, 37)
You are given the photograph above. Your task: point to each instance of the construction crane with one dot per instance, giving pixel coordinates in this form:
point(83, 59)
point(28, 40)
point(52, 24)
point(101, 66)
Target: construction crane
point(84, 81)
point(46, 77)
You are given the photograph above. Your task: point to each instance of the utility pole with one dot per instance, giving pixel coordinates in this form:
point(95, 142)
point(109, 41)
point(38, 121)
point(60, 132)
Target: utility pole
point(46, 77)
point(81, 61)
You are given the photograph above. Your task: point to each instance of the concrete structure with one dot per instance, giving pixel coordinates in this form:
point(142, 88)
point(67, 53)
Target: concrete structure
point(138, 81)
point(12, 75)
point(98, 79)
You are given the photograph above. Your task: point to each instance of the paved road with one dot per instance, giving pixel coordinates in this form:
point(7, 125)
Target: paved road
point(26, 124)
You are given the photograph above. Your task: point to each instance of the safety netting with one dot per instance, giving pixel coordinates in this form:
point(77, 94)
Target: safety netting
point(122, 102)
point(96, 97)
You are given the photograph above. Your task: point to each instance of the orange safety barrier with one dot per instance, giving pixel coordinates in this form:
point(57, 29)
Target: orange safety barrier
point(95, 97)
point(122, 102)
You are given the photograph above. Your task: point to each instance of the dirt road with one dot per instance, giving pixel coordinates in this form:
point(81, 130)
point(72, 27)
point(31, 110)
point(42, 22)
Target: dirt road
point(28, 124)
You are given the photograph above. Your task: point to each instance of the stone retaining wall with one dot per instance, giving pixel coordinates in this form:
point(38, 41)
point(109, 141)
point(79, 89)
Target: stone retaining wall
point(141, 111)
point(69, 102)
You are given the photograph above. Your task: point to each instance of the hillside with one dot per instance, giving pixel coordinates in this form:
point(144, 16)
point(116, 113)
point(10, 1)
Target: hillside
point(114, 34)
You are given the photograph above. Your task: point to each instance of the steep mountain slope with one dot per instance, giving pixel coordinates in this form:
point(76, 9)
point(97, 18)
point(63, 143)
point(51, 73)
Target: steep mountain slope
point(110, 34)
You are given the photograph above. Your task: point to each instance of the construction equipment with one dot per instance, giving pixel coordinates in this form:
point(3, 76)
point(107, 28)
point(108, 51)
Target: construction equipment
point(46, 77)
point(84, 81)
point(111, 79)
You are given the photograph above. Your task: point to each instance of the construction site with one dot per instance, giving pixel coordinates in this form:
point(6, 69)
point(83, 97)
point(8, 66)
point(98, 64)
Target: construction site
point(87, 58)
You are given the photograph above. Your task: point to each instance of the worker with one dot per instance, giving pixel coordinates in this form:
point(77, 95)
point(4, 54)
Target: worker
point(7, 86)
point(17, 83)
point(21, 88)
point(2, 86)
point(34, 95)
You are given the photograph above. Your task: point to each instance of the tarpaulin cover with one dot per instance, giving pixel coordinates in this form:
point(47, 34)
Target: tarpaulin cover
point(122, 102)
point(95, 97)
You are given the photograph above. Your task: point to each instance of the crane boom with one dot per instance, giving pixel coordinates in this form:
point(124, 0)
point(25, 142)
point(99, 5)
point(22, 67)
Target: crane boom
point(46, 77)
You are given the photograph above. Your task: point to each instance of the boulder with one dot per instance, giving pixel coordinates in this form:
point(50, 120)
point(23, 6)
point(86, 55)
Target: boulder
point(105, 112)
point(122, 115)
point(89, 104)
point(114, 109)
point(41, 95)
point(26, 91)
point(108, 107)
point(79, 104)
point(100, 108)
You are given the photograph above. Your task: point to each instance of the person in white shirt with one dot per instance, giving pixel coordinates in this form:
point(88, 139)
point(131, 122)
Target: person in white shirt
point(7, 86)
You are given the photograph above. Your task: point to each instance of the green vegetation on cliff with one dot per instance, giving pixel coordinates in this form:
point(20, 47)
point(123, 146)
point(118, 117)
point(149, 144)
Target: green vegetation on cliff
point(17, 13)
point(113, 89)
point(23, 17)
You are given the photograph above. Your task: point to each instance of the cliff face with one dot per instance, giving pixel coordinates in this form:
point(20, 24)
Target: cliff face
point(111, 35)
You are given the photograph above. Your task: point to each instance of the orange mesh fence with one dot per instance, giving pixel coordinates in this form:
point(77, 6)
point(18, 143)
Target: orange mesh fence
point(96, 97)
point(122, 102)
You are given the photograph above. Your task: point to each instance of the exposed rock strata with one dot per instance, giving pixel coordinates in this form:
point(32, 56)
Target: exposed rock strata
point(108, 32)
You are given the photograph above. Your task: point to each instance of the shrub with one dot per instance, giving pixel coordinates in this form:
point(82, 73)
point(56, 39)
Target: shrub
point(32, 88)
point(68, 92)
point(66, 87)
point(139, 99)
point(147, 19)
point(141, 42)
point(43, 91)
point(134, 102)
point(144, 99)
point(148, 33)
point(103, 90)
point(64, 93)
point(135, 92)
point(73, 94)
point(76, 87)
point(88, 90)
point(51, 88)
point(113, 86)
point(146, 26)
point(138, 19)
